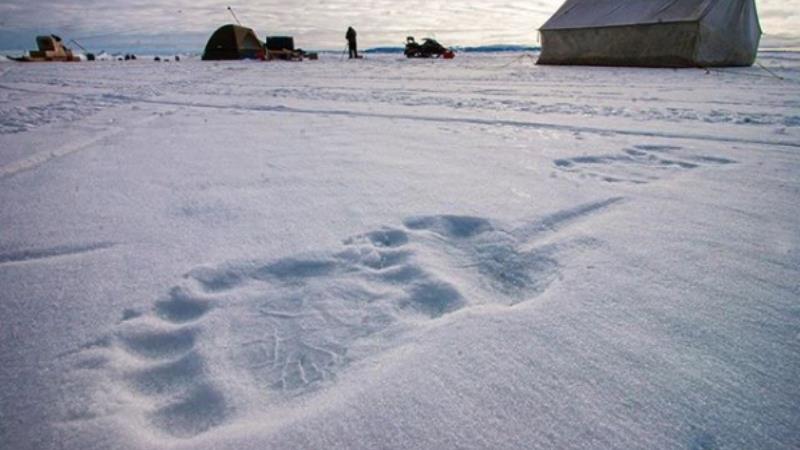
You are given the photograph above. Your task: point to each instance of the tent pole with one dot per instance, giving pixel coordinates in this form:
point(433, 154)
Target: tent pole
point(234, 15)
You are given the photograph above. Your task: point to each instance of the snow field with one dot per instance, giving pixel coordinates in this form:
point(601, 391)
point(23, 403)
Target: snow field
point(398, 254)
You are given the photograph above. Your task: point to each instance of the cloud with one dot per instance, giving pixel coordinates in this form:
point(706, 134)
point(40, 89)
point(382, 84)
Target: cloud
point(314, 23)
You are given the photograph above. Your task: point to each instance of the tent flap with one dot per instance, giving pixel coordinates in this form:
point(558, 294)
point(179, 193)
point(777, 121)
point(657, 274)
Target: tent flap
point(729, 35)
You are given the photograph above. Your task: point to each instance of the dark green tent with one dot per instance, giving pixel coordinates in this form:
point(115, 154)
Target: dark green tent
point(233, 42)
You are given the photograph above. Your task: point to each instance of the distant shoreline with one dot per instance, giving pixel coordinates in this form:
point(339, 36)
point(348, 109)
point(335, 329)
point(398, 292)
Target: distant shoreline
point(494, 48)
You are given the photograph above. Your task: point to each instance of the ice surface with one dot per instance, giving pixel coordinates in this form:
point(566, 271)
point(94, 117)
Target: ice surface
point(477, 253)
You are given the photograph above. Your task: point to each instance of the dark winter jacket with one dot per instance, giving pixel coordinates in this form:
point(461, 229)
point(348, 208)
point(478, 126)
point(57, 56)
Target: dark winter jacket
point(351, 35)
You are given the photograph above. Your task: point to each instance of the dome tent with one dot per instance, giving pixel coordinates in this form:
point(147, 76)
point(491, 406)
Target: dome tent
point(652, 33)
point(233, 42)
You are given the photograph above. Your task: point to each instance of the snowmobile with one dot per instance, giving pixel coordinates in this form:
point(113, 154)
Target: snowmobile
point(429, 48)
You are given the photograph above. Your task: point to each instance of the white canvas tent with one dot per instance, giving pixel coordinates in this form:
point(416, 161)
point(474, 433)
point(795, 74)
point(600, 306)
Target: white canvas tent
point(652, 33)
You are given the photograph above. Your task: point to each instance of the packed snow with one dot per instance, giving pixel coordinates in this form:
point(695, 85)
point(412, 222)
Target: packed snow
point(386, 253)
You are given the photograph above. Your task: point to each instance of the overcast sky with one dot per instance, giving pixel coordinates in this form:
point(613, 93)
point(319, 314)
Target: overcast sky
point(317, 24)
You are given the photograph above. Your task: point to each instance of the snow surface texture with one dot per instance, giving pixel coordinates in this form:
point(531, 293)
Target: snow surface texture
point(477, 253)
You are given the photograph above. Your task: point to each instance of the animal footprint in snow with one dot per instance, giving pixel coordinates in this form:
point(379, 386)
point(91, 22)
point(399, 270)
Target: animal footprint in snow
point(288, 326)
point(638, 165)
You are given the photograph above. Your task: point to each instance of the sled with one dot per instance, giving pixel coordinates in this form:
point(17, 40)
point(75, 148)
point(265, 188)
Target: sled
point(282, 48)
point(51, 49)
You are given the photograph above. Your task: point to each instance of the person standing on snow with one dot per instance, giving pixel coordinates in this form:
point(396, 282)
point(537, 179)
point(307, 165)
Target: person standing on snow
point(351, 42)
